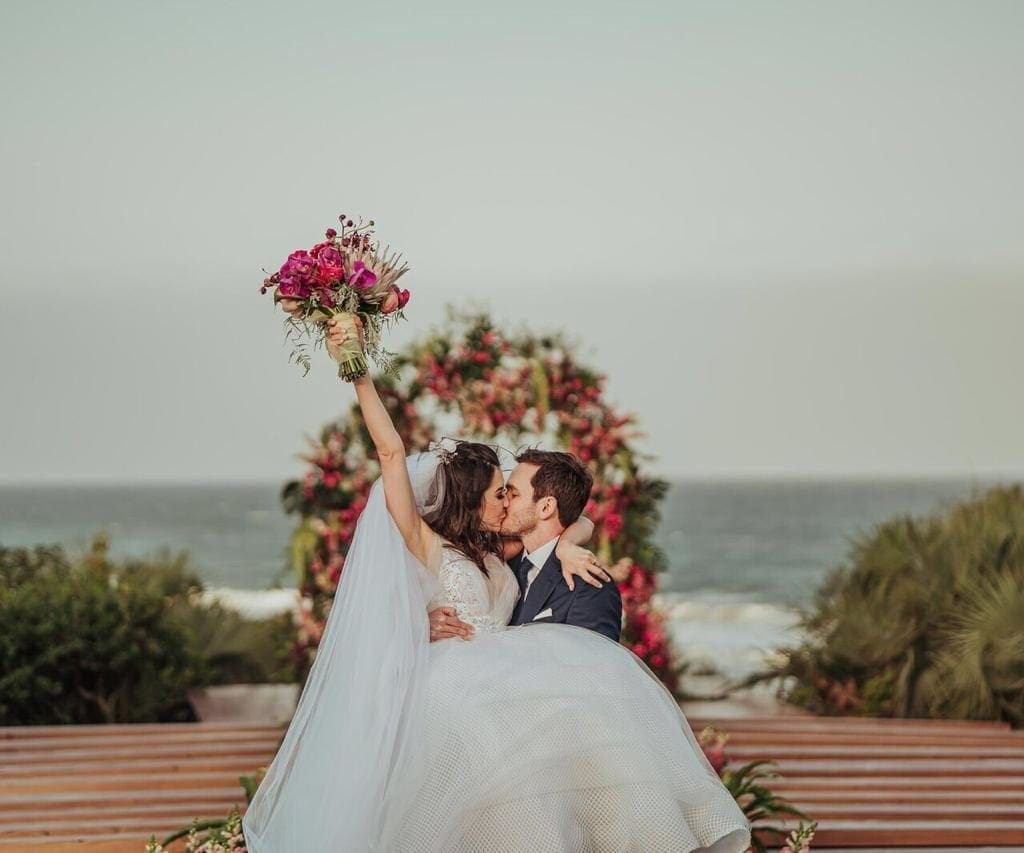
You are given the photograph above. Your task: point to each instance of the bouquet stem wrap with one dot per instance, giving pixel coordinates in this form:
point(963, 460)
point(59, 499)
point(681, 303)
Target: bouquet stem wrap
point(349, 355)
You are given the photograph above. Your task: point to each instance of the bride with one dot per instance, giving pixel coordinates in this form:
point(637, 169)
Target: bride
point(543, 737)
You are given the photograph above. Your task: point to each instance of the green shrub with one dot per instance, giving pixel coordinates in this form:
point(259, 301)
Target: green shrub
point(926, 619)
point(81, 643)
point(239, 650)
point(91, 641)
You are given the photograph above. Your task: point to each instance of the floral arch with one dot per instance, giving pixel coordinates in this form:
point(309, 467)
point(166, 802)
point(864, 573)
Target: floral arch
point(471, 380)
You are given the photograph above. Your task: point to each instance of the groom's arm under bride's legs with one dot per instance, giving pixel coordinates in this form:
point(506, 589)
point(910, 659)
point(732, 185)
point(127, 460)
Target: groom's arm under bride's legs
point(445, 625)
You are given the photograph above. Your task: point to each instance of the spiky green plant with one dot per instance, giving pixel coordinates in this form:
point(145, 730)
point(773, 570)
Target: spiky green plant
point(759, 803)
point(925, 619)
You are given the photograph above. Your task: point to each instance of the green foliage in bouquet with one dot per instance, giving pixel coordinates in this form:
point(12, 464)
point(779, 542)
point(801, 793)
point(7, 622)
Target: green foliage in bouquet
point(926, 619)
point(473, 380)
point(90, 640)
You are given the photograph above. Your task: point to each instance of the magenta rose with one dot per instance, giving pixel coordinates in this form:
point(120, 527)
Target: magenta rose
point(330, 265)
point(328, 274)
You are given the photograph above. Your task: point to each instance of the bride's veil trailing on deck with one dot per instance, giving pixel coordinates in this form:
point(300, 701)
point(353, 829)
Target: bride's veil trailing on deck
point(350, 755)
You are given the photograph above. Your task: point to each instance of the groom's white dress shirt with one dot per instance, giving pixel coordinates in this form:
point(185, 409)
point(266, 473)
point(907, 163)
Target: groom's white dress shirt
point(537, 558)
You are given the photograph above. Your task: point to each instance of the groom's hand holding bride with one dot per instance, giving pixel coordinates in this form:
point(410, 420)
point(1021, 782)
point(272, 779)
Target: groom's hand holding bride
point(445, 624)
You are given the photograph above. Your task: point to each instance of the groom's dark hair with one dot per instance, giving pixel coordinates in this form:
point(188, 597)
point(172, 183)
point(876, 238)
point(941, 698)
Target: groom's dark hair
point(562, 477)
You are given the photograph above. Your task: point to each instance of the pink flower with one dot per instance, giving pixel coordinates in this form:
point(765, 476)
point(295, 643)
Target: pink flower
point(330, 256)
point(613, 525)
point(403, 297)
point(296, 275)
point(292, 290)
point(716, 757)
point(328, 273)
point(392, 302)
point(362, 276)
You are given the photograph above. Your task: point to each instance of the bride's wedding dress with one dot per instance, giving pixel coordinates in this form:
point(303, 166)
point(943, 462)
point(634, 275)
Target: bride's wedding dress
point(533, 738)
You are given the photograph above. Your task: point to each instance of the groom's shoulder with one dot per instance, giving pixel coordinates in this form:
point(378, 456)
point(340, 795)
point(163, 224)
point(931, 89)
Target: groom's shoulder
point(583, 590)
point(609, 590)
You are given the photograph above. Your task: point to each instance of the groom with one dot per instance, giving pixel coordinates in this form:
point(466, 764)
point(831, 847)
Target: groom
point(545, 493)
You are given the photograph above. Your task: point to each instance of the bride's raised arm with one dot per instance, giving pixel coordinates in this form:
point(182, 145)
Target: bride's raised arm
point(398, 491)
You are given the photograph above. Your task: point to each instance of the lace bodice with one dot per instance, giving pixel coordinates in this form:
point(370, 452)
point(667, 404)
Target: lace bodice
point(486, 603)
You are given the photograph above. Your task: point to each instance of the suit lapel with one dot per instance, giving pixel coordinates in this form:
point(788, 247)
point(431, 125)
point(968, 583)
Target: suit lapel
point(543, 585)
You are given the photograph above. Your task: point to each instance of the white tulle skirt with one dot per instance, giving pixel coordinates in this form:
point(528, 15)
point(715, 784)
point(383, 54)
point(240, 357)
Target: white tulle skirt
point(554, 738)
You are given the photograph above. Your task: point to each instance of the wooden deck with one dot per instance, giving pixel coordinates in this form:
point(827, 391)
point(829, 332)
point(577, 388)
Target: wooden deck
point(871, 784)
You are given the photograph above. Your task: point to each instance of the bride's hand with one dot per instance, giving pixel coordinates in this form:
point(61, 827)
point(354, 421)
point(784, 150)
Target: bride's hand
point(338, 334)
point(292, 307)
point(581, 563)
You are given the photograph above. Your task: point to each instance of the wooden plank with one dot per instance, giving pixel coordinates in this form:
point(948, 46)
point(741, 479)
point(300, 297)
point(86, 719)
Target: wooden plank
point(915, 833)
point(907, 796)
point(901, 783)
point(103, 799)
point(121, 782)
point(809, 723)
point(842, 738)
point(115, 843)
point(741, 752)
point(154, 750)
point(875, 767)
point(239, 764)
point(963, 812)
point(118, 729)
point(192, 808)
point(44, 744)
point(971, 849)
point(141, 827)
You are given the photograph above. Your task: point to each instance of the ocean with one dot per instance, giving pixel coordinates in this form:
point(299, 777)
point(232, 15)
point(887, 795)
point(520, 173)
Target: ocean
point(743, 554)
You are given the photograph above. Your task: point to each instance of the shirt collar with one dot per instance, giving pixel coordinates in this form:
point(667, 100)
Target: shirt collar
point(539, 557)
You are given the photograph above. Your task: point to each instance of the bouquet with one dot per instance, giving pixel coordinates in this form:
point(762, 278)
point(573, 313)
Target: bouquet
point(347, 275)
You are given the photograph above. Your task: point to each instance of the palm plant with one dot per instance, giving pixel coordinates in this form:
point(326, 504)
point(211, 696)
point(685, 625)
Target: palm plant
point(925, 619)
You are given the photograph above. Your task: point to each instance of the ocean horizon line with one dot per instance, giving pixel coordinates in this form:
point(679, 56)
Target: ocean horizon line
point(725, 478)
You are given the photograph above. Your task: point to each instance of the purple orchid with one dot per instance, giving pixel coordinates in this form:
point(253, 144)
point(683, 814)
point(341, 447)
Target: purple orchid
point(362, 277)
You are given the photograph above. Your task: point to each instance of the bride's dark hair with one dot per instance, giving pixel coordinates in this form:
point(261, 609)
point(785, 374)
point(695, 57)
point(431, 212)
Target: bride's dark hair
point(465, 476)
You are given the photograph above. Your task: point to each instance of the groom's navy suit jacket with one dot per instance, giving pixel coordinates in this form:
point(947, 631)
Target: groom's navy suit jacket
point(587, 607)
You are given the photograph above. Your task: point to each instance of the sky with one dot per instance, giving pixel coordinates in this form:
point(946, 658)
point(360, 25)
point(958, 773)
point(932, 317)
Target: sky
point(789, 233)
